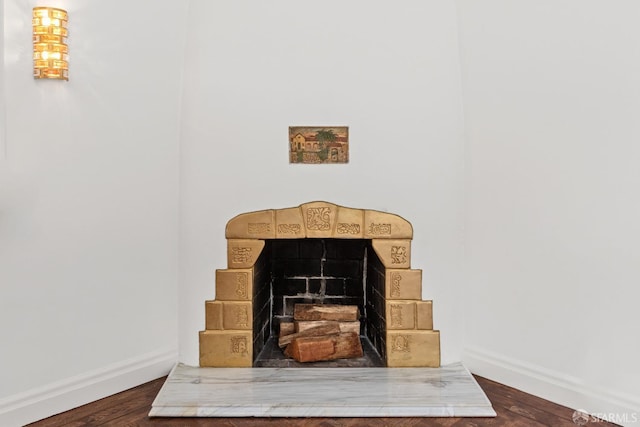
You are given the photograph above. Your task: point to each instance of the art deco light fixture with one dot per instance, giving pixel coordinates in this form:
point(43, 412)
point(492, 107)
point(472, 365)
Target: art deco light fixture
point(50, 50)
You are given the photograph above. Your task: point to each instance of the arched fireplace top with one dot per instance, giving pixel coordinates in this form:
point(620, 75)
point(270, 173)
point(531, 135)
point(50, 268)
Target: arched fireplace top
point(318, 220)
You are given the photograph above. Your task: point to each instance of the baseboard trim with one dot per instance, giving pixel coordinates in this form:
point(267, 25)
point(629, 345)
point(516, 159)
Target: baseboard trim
point(554, 386)
point(54, 398)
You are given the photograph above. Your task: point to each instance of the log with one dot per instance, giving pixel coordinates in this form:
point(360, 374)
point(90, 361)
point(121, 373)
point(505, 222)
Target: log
point(287, 328)
point(332, 329)
point(341, 313)
point(315, 349)
point(303, 325)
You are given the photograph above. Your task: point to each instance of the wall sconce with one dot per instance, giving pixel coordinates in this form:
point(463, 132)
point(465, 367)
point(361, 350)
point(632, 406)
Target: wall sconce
point(50, 50)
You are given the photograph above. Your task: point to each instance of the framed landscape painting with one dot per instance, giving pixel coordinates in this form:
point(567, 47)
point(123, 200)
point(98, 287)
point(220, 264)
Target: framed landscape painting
point(318, 144)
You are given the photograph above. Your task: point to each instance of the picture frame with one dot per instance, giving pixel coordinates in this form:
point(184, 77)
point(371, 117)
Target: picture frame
point(319, 144)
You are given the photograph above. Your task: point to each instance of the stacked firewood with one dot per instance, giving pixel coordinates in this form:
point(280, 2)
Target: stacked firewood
point(322, 332)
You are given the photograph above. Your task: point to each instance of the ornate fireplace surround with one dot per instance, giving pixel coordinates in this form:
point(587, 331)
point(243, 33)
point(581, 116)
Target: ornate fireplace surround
point(393, 317)
point(240, 320)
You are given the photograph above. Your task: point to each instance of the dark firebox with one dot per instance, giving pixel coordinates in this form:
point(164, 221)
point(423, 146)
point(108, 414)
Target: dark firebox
point(317, 271)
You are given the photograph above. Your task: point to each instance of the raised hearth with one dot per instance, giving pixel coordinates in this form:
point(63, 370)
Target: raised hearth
point(448, 391)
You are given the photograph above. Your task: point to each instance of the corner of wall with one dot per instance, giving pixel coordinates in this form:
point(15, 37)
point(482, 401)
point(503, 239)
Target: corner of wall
point(554, 386)
point(51, 399)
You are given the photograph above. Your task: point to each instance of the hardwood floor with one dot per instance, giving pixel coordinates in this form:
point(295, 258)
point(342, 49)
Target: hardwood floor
point(130, 408)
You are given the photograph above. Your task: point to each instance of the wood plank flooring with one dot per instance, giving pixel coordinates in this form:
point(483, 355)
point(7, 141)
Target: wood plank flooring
point(130, 408)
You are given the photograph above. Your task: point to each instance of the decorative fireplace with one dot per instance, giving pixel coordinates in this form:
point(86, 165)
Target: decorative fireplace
point(318, 253)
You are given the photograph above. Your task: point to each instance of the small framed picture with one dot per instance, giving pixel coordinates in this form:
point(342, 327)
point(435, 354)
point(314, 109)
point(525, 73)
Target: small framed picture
point(318, 144)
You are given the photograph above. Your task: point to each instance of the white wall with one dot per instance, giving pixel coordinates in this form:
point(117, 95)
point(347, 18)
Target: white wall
point(94, 187)
point(552, 95)
point(387, 70)
point(2, 107)
point(89, 208)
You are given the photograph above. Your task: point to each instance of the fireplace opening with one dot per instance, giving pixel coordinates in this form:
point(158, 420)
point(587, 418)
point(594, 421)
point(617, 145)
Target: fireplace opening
point(318, 253)
point(317, 271)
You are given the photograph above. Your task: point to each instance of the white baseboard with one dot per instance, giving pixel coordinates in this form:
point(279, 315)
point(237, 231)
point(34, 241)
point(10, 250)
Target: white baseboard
point(556, 387)
point(54, 398)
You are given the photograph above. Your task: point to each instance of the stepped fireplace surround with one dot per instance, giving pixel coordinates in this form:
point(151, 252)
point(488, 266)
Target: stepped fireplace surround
point(318, 252)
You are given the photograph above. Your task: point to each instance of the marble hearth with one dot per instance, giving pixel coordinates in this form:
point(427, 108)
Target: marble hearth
point(448, 391)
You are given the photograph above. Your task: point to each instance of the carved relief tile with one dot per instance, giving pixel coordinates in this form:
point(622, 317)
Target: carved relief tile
point(289, 229)
point(401, 314)
point(396, 278)
point(234, 285)
point(239, 345)
point(379, 230)
point(349, 223)
point(403, 284)
point(393, 253)
point(413, 348)
point(237, 315)
point(226, 349)
point(398, 254)
point(259, 228)
point(290, 224)
point(252, 225)
point(242, 253)
point(242, 286)
point(395, 318)
point(348, 229)
point(319, 218)
point(382, 225)
point(400, 343)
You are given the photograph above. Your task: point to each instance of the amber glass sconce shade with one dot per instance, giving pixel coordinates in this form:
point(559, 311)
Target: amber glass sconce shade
point(50, 50)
